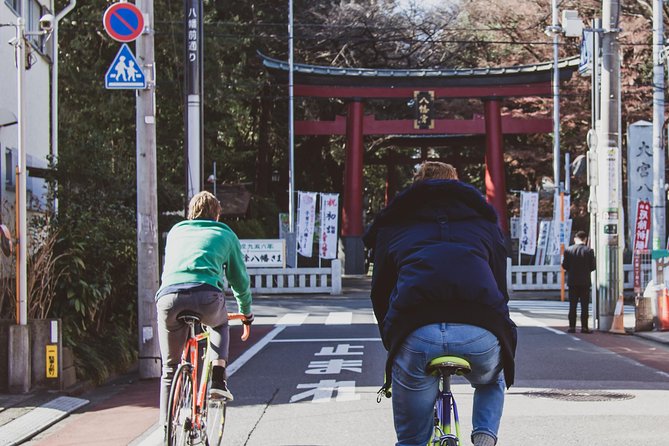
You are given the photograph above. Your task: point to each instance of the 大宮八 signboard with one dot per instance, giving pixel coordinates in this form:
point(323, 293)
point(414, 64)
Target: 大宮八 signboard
point(264, 253)
point(123, 21)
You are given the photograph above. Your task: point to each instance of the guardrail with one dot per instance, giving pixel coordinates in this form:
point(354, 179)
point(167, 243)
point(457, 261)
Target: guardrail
point(546, 277)
point(296, 280)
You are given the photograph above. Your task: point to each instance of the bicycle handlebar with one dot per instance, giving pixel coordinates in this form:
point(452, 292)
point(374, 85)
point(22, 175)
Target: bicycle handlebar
point(241, 317)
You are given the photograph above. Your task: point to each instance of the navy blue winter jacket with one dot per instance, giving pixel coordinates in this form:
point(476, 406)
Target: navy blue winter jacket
point(439, 256)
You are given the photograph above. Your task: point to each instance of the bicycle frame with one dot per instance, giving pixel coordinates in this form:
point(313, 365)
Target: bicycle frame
point(191, 355)
point(444, 407)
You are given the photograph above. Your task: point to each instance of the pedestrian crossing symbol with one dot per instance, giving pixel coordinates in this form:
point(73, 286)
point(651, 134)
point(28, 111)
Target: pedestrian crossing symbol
point(125, 72)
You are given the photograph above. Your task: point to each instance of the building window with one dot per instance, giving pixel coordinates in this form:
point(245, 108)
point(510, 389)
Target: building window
point(11, 161)
point(14, 5)
point(35, 12)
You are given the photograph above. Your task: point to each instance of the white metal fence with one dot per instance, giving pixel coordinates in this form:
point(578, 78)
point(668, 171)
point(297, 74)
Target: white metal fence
point(546, 277)
point(296, 280)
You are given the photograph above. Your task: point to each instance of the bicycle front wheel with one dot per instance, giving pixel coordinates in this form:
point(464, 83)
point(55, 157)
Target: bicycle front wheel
point(213, 417)
point(180, 410)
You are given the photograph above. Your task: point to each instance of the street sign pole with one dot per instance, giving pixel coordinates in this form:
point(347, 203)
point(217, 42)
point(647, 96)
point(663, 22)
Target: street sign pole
point(147, 204)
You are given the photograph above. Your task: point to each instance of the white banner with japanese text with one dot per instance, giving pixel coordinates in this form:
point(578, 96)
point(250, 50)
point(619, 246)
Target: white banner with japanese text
point(327, 242)
point(529, 210)
point(306, 218)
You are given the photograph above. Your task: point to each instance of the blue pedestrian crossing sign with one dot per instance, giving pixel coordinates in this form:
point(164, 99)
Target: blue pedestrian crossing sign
point(125, 72)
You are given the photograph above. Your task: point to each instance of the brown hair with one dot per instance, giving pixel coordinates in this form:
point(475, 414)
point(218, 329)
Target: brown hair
point(204, 206)
point(435, 170)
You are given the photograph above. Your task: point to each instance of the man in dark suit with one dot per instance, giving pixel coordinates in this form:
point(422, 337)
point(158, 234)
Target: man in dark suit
point(579, 262)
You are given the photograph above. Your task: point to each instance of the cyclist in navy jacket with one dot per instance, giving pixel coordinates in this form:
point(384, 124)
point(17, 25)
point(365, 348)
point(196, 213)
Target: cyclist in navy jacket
point(439, 287)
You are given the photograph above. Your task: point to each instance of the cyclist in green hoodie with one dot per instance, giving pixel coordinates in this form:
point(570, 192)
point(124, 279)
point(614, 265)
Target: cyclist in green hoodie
point(199, 251)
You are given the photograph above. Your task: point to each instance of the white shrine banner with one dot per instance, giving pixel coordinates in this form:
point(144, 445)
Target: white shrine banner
point(529, 211)
point(306, 218)
point(327, 241)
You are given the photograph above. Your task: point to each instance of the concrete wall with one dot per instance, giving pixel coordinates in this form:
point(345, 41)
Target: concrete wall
point(41, 335)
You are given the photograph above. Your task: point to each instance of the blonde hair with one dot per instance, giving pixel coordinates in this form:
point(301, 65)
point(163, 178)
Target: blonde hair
point(435, 170)
point(204, 206)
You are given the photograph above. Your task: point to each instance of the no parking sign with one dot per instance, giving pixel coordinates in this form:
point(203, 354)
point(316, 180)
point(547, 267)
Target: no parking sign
point(123, 21)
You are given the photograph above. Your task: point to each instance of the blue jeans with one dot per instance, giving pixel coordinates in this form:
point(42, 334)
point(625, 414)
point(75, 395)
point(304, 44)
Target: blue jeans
point(414, 392)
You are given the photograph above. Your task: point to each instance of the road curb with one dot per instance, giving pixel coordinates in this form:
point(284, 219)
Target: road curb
point(39, 419)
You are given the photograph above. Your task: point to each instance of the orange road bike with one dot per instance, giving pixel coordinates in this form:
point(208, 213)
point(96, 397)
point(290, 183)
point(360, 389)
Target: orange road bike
point(193, 418)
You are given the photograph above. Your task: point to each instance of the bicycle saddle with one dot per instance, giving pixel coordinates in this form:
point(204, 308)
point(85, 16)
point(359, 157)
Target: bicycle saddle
point(449, 365)
point(188, 316)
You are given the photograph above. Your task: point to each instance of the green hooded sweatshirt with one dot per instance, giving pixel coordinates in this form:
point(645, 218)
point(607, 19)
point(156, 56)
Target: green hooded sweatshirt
point(202, 251)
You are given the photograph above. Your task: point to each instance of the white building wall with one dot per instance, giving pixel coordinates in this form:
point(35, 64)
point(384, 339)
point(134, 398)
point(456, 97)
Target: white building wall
point(37, 119)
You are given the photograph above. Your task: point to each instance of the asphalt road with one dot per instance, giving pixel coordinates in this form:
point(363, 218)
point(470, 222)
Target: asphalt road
point(312, 378)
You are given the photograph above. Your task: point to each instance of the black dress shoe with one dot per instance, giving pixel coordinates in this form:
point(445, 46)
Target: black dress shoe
point(571, 330)
point(586, 330)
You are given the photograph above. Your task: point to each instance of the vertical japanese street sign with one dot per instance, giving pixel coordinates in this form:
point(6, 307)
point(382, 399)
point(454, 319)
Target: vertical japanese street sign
point(327, 242)
point(193, 78)
point(642, 227)
point(639, 170)
point(423, 110)
point(193, 45)
point(641, 240)
point(51, 361)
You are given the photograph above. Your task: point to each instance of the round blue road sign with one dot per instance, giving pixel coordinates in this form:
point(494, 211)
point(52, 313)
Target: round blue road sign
point(123, 22)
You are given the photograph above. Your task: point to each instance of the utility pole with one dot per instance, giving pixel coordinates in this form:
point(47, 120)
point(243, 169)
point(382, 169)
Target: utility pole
point(147, 203)
point(592, 160)
point(609, 171)
point(291, 238)
point(658, 212)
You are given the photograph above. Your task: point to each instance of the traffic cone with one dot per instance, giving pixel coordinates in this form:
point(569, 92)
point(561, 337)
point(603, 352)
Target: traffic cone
point(618, 325)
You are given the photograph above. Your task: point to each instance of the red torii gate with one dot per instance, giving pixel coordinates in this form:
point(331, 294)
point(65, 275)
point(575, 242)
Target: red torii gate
point(490, 85)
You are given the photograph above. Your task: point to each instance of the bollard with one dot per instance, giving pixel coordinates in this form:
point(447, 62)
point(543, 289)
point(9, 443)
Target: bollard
point(663, 310)
point(643, 314)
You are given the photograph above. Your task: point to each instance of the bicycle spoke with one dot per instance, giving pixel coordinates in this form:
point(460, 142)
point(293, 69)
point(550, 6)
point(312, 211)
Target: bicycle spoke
point(215, 421)
point(213, 417)
point(180, 416)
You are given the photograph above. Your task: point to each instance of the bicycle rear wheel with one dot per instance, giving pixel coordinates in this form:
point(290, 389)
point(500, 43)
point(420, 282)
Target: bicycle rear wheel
point(180, 410)
point(213, 417)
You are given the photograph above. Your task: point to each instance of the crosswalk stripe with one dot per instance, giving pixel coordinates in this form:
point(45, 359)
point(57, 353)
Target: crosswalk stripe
point(339, 318)
point(293, 319)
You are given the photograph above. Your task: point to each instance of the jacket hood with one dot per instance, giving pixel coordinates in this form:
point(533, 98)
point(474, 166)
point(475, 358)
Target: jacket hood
point(424, 199)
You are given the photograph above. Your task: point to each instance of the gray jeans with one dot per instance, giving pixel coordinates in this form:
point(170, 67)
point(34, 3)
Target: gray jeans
point(172, 333)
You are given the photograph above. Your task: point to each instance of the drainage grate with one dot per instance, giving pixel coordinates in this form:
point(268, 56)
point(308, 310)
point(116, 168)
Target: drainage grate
point(579, 395)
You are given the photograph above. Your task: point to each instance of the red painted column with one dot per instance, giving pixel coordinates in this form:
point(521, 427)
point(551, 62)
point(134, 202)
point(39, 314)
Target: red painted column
point(495, 182)
point(352, 213)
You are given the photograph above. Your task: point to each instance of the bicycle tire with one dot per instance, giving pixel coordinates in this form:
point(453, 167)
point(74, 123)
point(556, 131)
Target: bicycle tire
point(180, 409)
point(213, 417)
